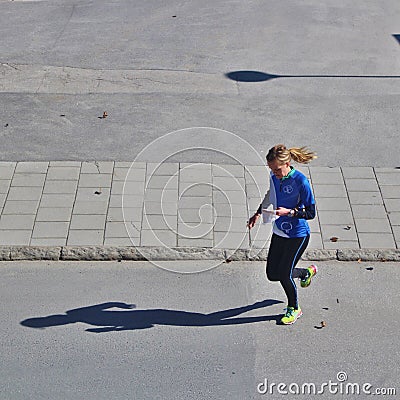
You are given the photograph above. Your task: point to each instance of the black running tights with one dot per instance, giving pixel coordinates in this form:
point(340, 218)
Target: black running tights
point(283, 255)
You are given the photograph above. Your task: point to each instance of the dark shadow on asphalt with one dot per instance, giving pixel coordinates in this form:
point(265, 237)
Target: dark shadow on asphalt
point(257, 76)
point(397, 37)
point(107, 320)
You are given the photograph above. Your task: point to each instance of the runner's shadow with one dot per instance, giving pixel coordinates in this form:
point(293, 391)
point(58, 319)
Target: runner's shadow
point(107, 320)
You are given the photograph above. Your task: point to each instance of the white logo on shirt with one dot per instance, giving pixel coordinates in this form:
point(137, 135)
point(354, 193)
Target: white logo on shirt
point(287, 227)
point(288, 189)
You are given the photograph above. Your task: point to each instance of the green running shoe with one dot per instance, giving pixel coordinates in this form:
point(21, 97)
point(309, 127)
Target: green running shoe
point(311, 271)
point(291, 316)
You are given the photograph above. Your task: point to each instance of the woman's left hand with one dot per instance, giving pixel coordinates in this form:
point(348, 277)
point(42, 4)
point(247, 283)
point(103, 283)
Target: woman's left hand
point(281, 211)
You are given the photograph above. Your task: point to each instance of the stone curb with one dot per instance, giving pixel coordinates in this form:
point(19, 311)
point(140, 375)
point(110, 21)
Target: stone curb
point(131, 253)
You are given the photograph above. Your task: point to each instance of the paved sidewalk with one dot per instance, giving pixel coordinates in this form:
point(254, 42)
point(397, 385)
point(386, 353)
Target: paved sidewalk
point(186, 205)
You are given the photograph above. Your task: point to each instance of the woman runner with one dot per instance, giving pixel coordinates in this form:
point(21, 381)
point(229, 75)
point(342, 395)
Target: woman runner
point(293, 202)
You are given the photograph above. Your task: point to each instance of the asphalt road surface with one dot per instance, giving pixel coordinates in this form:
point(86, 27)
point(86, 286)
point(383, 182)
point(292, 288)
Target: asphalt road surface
point(70, 331)
point(320, 73)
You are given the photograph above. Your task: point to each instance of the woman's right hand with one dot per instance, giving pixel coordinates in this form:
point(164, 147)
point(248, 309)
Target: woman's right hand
point(253, 220)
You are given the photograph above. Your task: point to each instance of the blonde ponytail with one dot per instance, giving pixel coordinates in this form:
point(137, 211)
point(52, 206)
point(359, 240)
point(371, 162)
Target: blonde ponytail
point(301, 155)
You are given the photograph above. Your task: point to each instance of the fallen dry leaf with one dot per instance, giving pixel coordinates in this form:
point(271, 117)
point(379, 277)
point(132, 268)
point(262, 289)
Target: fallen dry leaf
point(323, 324)
point(105, 114)
point(334, 239)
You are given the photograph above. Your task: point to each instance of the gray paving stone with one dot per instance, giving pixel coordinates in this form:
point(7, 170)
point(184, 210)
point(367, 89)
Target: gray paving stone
point(362, 185)
point(158, 238)
point(97, 167)
point(7, 171)
point(260, 181)
point(260, 232)
point(315, 242)
point(314, 224)
point(24, 193)
point(57, 200)
point(368, 225)
point(327, 178)
point(117, 200)
point(60, 187)
point(195, 215)
point(48, 242)
point(168, 196)
point(151, 207)
point(252, 204)
point(392, 205)
point(386, 170)
point(95, 180)
point(321, 191)
point(193, 175)
point(135, 188)
point(19, 222)
point(194, 202)
point(335, 218)
point(227, 184)
point(231, 210)
point(365, 198)
point(225, 224)
point(319, 169)
point(63, 173)
point(117, 214)
point(333, 204)
point(338, 231)
point(3, 197)
point(21, 207)
point(368, 211)
point(200, 231)
point(162, 169)
point(8, 164)
point(15, 237)
point(93, 194)
point(388, 178)
point(160, 222)
point(341, 244)
point(394, 218)
point(376, 241)
point(396, 232)
point(390, 192)
point(4, 185)
point(231, 240)
point(65, 164)
point(90, 207)
point(195, 242)
point(196, 166)
point(358, 172)
point(228, 170)
point(54, 214)
point(129, 187)
point(118, 229)
point(129, 174)
point(35, 167)
point(50, 230)
point(194, 189)
point(120, 242)
point(128, 164)
point(256, 191)
point(85, 237)
point(162, 182)
point(231, 197)
point(84, 221)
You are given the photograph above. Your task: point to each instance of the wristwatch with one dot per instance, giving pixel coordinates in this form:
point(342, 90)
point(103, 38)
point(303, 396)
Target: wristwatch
point(291, 213)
